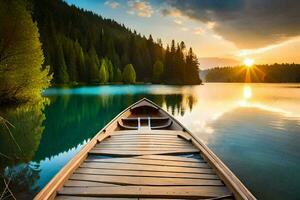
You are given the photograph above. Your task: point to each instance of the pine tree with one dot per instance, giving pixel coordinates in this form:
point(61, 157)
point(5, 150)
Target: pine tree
point(117, 75)
point(103, 72)
point(93, 66)
point(80, 62)
point(60, 67)
point(129, 75)
point(192, 68)
point(110, 70)
point(158, 70)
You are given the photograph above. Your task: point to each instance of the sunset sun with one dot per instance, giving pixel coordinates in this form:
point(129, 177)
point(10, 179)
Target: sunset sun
point(248, 62)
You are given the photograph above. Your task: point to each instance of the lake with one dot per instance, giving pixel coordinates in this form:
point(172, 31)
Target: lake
point(253, 128)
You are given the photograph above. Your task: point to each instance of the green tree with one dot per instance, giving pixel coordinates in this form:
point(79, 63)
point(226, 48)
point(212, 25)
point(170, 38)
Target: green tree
point(80, 62)
point(129, 75)
point(158, 70)
point(21, 75)
point(61, 67)
point(103, 72)
point(117, 75)
point(110, 70)
point(93, 65)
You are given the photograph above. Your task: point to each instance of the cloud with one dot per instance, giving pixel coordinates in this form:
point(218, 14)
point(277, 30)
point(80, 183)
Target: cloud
point(247, 52)
point(199, 31)
point(112, 4)
point(140, 8)
point(247, 23)
point(211, 25)
point(173, 12)
point(185, 29)
point(178, 21)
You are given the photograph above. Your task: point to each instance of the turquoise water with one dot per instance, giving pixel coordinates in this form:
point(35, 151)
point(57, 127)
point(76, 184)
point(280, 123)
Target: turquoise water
point(254, 129)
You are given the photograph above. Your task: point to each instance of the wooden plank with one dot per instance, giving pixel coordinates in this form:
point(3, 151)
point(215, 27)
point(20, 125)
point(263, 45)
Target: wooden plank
point(64, 197)
point(149, 191)
point(122, 166)
point(159, 142)
point(147, 141)
point(175, 140)
point(141, 149)
point(165, 157)
point(143, 145)
point(139, 133)
point(145, 181)
point(227, 197)
point(145, 136)
point(67, 197)
point(153, 140)
point(146, 173)
point(139, 153)
point(150, 132)
point(75, 183)
point(148, 162)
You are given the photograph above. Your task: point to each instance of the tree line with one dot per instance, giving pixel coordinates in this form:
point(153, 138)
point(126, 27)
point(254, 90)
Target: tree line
point(48, 41)
point(83, 47)
point(275, 73)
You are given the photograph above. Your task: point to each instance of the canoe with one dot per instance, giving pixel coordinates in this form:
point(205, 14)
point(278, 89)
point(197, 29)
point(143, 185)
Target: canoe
point(145, 153)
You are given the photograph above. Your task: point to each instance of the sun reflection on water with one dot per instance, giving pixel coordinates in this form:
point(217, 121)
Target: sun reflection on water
point(247, 92)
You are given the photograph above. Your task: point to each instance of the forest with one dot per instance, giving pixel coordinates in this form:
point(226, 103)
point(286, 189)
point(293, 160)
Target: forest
point(82, 47)
point(48, 42)
point(275, 73)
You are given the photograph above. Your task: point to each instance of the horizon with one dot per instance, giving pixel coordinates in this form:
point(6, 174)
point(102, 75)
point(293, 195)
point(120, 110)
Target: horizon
point(216, 31)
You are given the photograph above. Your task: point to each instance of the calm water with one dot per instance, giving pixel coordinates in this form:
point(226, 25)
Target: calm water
point(254, 129)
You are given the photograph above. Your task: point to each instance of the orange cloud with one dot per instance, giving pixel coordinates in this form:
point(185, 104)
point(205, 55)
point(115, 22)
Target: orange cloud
point(140, 8)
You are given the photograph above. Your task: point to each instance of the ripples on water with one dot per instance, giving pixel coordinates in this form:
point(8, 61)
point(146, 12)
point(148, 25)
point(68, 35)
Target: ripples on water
point(254, 129)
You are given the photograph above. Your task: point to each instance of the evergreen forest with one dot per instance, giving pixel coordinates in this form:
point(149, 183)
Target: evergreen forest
point(275, 73)
point(83, 47)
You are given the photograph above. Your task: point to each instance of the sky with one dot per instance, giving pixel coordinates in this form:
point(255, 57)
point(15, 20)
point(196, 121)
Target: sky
point(221, 32)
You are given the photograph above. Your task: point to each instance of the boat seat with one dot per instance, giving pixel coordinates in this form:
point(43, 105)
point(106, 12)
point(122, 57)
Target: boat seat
point(163, 122)
point(144, 118)
point(163, 126)
point(127, 127)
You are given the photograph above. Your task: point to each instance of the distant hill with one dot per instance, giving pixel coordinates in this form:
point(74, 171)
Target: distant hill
point(78, 43)
point(276, 73)
point(211, 62)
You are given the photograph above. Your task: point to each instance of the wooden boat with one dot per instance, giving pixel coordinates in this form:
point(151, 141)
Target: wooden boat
point(145, 153)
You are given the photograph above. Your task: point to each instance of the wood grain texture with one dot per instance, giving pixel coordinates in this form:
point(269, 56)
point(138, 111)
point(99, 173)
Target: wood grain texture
point(122, 166)
point(139, 153)
point(141, 142)
point(145, 181)
point(146, 173)
point(146, 148)
point(149, 191)
point(66, 197)
point(156, 145)
point(170, 158)
point(199, 164)
point(75, 183)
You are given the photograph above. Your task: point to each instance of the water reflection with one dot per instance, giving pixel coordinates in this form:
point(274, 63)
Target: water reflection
point(254, 128)
point(75, 118)
point(18, 144)
point(247, 92)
